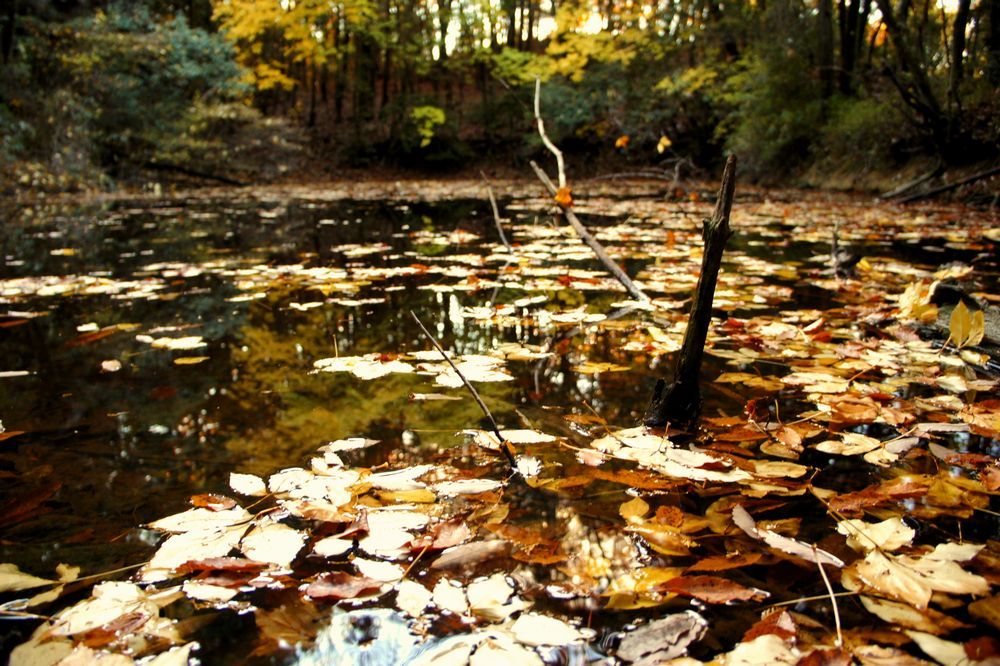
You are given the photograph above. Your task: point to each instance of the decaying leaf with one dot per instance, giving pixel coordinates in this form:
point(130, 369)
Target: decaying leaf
point(663, 639)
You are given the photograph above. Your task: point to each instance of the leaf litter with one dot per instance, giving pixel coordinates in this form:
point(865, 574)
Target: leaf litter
point(852, 443)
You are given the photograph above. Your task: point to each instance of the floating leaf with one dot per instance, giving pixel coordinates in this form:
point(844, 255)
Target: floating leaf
point(536, 629)
point(746, 523)
point(663, 639)
point(341, 585)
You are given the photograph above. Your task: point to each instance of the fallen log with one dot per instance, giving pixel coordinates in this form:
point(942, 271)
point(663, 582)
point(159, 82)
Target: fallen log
point(195, 173)
point(950, 186)
point(679, 402)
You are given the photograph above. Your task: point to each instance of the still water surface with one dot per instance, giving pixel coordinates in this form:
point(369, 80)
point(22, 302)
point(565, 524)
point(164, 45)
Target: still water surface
point(112, 430)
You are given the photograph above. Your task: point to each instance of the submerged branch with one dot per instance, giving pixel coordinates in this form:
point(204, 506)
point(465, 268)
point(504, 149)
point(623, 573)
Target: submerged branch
point(504, 444)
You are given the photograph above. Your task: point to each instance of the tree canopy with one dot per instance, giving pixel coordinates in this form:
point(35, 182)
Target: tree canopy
point(790, 84)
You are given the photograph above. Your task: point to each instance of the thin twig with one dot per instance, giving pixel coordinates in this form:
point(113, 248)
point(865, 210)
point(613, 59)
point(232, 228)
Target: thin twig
point(496, 213)
point(799, 600)
point(545, 137)
point(833, 598)
point(472, 390)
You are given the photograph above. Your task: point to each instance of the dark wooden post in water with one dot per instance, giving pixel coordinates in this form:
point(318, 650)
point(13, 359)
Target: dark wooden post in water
point(679, 402)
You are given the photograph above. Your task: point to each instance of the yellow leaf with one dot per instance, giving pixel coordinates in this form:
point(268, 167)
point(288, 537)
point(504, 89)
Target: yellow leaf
point(977, 329)
point(960, 324)
point(189, 360)
point(664, 143)
point(622, 141)
point(633, 509)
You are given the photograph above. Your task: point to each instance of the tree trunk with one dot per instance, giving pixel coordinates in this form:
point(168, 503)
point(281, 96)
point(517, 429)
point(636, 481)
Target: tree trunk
point(825, 47)
point(679, 403)
point(7, 33)
point(922, 99)
point(958, 52)
point(993, 43)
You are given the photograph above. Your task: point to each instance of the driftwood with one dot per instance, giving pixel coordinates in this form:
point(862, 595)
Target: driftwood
point(679, 402)
point(592, 242)
point(951, 186)
point(187, 171)
point(903, 189)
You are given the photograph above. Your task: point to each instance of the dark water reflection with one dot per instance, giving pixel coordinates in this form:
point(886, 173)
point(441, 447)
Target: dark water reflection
point(104, 452)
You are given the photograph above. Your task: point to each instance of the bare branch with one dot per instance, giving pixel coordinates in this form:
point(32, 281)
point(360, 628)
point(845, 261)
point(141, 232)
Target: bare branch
point(504, 444)
point(545, 137)
point(496, 213)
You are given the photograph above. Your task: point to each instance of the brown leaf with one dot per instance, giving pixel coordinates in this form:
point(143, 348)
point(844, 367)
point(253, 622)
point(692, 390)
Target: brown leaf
point(213, 502)
point(290, 624)
point(711, 589)
point(969, 460)
point(341, 585)
point(990, 478)
point(904, 487)
point(826, 657)
point(119, 627)
point(544, 554)
point(726, 562)
point(636, 479)
point(240, 564)
point(779, 623)
point(987, 610)
point(443, 535)
point(982, 648)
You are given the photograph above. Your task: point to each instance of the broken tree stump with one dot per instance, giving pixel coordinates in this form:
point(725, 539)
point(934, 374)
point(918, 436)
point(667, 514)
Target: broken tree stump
point(679, 402)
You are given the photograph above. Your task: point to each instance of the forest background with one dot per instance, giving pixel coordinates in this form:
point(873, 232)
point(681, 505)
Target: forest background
point(849, 93)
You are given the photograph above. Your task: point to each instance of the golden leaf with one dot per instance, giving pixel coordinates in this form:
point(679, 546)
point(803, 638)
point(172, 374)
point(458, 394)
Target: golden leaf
point(664, 143)
point(564, 197)
point(622, 141)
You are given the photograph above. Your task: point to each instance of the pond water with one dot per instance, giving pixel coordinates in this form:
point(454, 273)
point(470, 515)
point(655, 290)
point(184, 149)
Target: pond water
point(150, 348)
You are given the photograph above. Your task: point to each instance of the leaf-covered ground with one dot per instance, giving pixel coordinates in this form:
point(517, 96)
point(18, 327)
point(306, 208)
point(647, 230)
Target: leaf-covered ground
point(836, 504)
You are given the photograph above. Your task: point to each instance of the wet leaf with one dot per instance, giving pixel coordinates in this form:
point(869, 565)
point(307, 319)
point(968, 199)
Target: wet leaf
point(903, 615)
point(273, 542)
point(341, 585)
point(13, 579)
point(778, 623)
point(725, 562)
point(940, 650)
point(712, 589)
point(247, 484)
point(663, 639)
point(798, 548)
point(535, 629)
point(890, 534)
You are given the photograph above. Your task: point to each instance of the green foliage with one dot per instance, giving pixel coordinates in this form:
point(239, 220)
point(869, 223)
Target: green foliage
point(775, 110)
point(426, 120)
point(861, 132)
point(110, 89)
